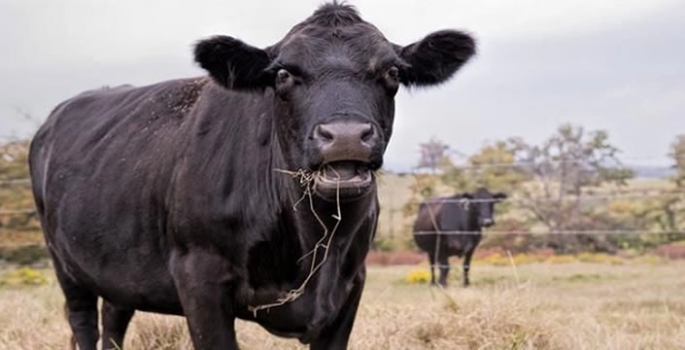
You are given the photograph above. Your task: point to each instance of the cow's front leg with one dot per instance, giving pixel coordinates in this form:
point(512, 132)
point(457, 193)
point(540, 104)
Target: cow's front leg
point(337, 334)
point(202, 280)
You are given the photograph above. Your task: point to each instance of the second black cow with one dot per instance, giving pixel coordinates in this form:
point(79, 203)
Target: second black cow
point(451, 226)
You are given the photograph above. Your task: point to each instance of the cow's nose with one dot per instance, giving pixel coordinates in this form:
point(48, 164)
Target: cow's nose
point(345, 141)
point(487, 222)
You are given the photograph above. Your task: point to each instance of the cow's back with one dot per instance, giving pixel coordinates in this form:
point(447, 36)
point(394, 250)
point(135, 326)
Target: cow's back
point(438, 224)
point(101, 167)
point(427, 225)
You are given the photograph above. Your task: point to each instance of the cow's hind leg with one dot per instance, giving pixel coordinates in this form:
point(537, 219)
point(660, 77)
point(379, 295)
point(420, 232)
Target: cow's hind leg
point(115, 320)
point(444, 264)
point(432, 263)
point(82, 311)
point(467, 267)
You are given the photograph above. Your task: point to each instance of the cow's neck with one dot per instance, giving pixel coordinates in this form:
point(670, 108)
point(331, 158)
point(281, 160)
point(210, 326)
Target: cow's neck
point(318, 221)
point(305, 238)
point(472, 217)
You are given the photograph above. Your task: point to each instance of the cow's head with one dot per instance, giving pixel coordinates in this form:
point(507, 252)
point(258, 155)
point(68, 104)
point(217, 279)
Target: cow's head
point(333, 79)
point(484, 203)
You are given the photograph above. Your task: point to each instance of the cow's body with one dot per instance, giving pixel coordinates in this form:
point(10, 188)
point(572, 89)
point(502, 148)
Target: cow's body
point(125, 192)
point(179, 197)
point(452, 226)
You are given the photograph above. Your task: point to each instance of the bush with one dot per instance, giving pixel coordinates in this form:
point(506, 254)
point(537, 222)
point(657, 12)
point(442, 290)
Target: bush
point(418, 276)
point(670, 251)
point(561, 259)
point(599, 258)
point(24, 276)
point(395, 258)
point(384, 245)
point(24, 255)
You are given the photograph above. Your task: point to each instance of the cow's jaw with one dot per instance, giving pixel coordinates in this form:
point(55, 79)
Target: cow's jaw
point(343, 180)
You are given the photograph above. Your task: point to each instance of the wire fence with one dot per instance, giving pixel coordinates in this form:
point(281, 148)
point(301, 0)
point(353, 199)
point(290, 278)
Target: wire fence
point(551, 199)
point(17, 212)
point(549, 162)
point(15, 182)
point(624, 194)
point(550, 232)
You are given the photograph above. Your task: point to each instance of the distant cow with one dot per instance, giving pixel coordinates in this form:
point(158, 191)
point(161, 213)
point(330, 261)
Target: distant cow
point(461, 218)
point(248, 195)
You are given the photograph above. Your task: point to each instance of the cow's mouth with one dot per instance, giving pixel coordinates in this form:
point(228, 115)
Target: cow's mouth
point(344, 180)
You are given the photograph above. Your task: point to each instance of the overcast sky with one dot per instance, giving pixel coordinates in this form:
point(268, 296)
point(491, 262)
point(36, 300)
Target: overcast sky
point(617, 65)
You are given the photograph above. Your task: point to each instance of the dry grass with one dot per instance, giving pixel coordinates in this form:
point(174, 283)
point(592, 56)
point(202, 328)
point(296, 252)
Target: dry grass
point(570, 306)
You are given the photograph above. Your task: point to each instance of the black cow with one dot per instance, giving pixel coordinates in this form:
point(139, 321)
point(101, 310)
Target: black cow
point(461, 218)
point(248, 195)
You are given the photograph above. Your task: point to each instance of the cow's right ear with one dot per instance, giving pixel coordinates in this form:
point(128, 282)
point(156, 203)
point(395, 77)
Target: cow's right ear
point(234, 64)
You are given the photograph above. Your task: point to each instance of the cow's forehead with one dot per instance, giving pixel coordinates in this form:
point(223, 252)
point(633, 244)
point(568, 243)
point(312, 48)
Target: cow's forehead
point(482, 192)
point(358, 46)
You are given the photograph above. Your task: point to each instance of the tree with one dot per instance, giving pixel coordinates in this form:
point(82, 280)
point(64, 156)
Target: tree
point(424, 187)
point(678, 155)
point(562, 167)
point(493, 167)
point(433, 154)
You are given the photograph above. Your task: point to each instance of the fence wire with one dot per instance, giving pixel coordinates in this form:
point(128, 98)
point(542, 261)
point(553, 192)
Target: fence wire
point(549, 232)
point(15, 182)
point(17, 212)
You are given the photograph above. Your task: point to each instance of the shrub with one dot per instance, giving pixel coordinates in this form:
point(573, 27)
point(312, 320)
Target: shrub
point(24, 255)
point(384, 245)
point(561, 259)
point(599, 258)
point(670, 251)
point(24, 276)
point(646, 260)
point(395, 258)
point(497, 259)
point(418, 276)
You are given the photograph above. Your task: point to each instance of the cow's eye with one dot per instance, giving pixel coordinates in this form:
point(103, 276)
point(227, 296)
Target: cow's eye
point(283, 77)
point(393, 73)
point(391, 79)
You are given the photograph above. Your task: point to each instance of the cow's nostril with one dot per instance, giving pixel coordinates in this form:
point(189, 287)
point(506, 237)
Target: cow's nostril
point(367, 132)
point(323, 133)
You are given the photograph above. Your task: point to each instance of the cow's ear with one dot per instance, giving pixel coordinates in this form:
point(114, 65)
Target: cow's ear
point(435, 58)
point(500, 196)
point(234, 64)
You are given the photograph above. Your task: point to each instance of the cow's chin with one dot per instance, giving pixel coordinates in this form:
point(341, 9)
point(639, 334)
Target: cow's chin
point(343, 181)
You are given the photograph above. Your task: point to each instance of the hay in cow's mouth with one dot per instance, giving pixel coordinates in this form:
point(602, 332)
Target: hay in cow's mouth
point(344, 171)
point(347, 179)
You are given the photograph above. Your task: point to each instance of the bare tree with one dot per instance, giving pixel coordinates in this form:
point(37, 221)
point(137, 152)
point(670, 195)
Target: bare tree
point(563, 166)
point(433, 153)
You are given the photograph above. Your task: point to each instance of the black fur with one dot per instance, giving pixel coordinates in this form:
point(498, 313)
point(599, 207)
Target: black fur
point(171, 197)
point(234, 64)
point(335, 14)
point(436, 58)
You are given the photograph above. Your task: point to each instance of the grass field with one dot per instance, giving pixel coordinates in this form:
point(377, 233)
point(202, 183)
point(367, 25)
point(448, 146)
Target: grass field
point(532, 306)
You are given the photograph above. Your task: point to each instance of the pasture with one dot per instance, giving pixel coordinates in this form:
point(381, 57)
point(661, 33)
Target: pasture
point(637, 304)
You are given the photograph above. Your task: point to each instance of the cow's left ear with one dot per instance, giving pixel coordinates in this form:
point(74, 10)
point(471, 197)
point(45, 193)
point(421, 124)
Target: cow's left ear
point(500, 196)
point(234, 64)
point(435, 58)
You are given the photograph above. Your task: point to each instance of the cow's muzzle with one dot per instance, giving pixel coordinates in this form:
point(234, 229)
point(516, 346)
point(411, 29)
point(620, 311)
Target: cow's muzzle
point(346, 149)
point(487, 222)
